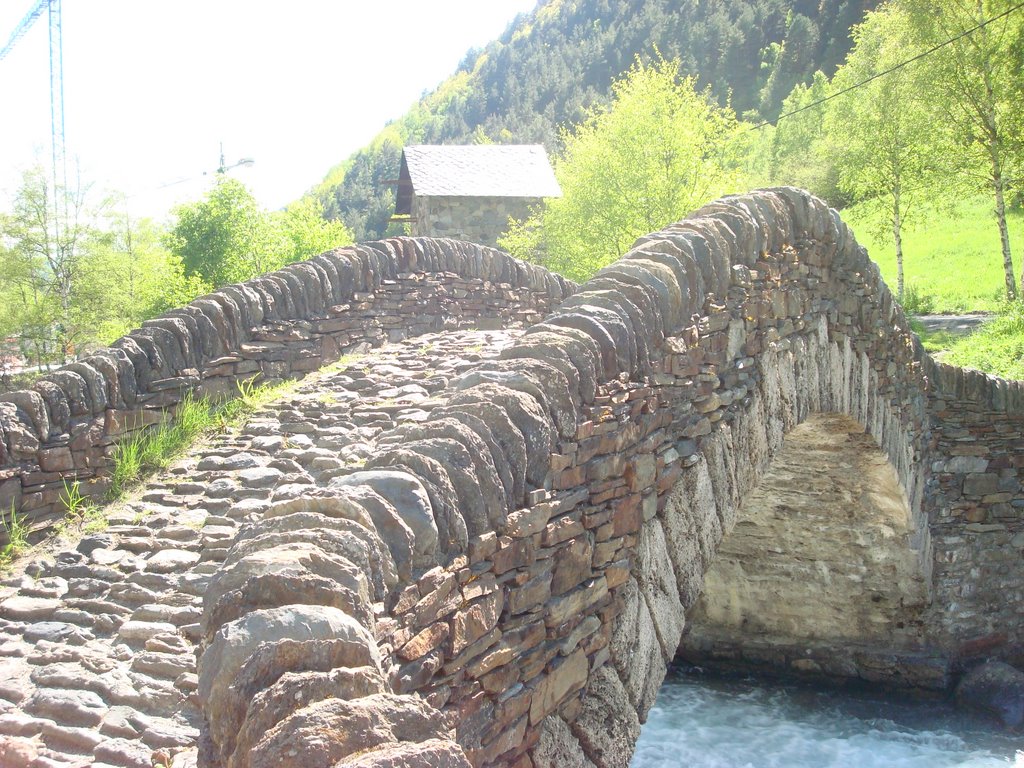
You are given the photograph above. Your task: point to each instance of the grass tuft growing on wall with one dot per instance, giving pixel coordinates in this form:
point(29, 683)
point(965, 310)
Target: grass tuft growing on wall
point(16, 532)
point(152, 450)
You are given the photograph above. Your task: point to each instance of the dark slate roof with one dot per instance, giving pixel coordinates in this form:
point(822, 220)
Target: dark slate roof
point(476, 170)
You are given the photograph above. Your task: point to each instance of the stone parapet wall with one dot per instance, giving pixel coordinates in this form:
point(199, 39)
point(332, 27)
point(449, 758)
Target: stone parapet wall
point(278, 326)
point(551, 520)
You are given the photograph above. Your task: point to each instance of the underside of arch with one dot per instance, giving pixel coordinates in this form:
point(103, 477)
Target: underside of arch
point(819, 576)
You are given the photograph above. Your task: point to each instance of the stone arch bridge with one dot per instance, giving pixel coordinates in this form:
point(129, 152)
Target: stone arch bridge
point(502, 576)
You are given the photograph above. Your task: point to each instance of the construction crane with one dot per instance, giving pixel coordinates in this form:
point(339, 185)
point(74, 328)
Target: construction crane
point(52, 7)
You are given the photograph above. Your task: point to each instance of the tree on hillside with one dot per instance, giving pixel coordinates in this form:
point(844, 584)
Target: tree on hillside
point(42, 266)
point(656, 153)
point(554, 66)
point(788, 61)
point(882, 135)
point(977, 82)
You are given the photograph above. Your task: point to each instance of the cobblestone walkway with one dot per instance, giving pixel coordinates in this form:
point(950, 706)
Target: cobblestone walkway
point(98, 641)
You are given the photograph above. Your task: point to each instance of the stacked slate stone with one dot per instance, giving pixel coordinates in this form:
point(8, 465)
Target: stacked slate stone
point(281, 325)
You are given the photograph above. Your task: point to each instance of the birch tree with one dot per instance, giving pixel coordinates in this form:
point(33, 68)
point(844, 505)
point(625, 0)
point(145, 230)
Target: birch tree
point(883, 135)
point(976, 82)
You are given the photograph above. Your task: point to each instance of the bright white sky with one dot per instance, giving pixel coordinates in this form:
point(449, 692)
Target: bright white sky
point(151, 87)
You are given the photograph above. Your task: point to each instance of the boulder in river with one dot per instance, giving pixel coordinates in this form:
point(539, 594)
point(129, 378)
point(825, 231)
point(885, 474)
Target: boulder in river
point(995, 688)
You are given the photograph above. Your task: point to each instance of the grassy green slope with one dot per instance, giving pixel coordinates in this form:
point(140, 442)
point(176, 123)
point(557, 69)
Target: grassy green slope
point(952, 261)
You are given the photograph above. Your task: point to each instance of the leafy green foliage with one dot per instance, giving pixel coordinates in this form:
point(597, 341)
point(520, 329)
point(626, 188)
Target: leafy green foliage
point(979, 89)
point(134, 277)
point(657, 152)
point(796, 151)
point(79, 278)
point(997, 347)
point(44, 297)
point(307, 232)
point(881, 136)
point(951, 259)
point(227, 238)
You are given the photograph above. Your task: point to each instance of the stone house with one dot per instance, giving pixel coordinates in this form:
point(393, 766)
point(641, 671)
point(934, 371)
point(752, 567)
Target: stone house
point(469, 192)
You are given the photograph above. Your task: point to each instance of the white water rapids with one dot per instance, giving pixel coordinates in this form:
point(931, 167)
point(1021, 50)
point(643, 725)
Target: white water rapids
point(707, 723)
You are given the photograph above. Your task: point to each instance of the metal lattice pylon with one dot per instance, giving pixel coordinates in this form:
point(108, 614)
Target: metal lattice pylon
point(60, 174)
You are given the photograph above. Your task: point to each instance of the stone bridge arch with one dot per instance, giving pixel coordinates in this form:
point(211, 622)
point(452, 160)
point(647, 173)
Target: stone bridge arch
point(505, 582)
point(819, 577)
point(561, 506)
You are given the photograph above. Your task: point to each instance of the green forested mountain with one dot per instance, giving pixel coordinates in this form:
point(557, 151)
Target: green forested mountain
point(550, 66)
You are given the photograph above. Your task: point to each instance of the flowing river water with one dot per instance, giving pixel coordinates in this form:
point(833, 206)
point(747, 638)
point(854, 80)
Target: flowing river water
point(708, 722)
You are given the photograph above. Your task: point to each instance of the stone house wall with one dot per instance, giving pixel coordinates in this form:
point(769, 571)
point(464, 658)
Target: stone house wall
point(473, 219)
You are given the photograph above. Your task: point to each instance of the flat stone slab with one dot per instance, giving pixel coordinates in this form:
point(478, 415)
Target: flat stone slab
point(171, 560)
point(21, 608)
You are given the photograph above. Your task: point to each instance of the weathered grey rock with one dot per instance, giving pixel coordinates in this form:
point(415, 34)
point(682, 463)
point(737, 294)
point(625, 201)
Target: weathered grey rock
point(506, 435)
point(452, 532)
point(459, 466)
point(483, 463)
point(657, 581)
point(171, 560)
point(329, 731)
point(394, 532)
point(315, 502)
point(537, 378)
point(70, 707)
point(562, 352)
point(406, 494)
point(586, 352)
point(123, 752)
point(692, 531)
point(494, 449)
point(636, 652)
point(607, 726)
point(295, 690)
point(558, 747)
point(337, 536)
point(433, 753)
point(21, 608)
point(996, 689)
point(234, 461)
point(618, 316)
point(236, 642)
point(34, 406)
point(528, 417)
point(290, 573)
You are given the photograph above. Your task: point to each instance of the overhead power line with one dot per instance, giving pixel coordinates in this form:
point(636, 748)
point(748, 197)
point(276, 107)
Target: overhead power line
point(891, 69)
